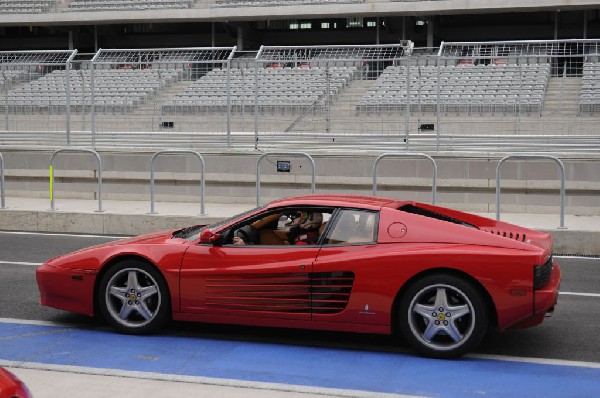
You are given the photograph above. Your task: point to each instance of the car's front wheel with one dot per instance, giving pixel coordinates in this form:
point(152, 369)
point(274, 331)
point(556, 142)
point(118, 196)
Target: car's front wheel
point(443, 316)
point(133, 297)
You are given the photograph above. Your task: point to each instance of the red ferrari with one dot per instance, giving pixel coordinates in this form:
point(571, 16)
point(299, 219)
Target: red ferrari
point(439, 277)
point(11, 386)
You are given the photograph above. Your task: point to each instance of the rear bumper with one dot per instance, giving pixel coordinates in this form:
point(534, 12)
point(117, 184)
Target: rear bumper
point(544, 299)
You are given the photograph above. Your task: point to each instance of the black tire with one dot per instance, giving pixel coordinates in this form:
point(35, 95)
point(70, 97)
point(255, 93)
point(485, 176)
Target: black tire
point(443, 316)
point(133, 297)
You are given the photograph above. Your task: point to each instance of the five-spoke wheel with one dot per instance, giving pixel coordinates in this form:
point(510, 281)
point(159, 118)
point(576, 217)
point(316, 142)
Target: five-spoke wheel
point(443, 316)
point(133, 297)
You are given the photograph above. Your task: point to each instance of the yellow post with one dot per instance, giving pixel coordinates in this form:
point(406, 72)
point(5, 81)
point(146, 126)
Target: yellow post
point(51, 183)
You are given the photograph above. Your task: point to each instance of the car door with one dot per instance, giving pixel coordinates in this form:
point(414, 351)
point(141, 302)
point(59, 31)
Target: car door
point(253, 280)
point(345, 272)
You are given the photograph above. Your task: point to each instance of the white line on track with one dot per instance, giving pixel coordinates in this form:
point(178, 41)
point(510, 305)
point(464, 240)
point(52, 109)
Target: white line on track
point(19, 263)
point(59, 234)
point(200, 380)
point(580, 294)
point(577, 258)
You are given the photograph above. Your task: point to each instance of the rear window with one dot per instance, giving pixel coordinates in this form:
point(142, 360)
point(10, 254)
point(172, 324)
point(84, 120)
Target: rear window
point(431, 214)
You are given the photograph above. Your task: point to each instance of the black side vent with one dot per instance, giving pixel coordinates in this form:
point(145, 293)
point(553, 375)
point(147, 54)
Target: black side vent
point(509, 235)
point(330, 291)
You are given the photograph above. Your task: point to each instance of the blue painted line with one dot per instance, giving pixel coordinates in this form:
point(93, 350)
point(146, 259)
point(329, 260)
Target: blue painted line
point(295, 365)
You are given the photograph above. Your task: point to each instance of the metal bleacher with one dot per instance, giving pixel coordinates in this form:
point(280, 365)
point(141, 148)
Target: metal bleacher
point(27, 6)
point(127, 5)
point(463, 88)
point(589, 97)
point(284, 89)
point(115, 90)
point(269, 3)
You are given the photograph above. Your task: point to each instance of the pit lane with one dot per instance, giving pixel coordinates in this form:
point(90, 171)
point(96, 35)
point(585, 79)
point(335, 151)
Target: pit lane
point(559, 353)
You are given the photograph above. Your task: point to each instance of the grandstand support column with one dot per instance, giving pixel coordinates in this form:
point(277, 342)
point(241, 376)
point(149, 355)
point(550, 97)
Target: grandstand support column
point(430, 31)
point(585, 24)
point(95, 38)
point(212, 34)
point(240, 38)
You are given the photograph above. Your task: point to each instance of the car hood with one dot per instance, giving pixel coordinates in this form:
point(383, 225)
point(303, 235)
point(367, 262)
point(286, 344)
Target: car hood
point(146, 239)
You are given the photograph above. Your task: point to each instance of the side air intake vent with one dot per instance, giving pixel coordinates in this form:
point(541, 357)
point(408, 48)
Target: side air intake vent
point(507, 234)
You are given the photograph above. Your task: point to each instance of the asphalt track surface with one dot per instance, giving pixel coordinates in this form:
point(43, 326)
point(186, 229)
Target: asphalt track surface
point(560, 358)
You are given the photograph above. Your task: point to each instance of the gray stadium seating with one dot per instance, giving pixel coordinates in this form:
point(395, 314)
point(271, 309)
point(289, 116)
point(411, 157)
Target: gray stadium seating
point(127, 5)
point(589, 97)
point(27, 6)
point(281, 90)
point(463, 89)
point(115, 90)
point(269, 3)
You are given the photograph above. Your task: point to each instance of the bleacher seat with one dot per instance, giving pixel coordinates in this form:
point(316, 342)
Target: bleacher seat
point(115, 90)
point(464, 88)
point(589, 96)
point(270, 3)
point(281, 90)
point(127, 5)
point(27, 6)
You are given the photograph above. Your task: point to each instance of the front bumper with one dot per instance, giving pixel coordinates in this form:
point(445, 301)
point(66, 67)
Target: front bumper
point(66, 289)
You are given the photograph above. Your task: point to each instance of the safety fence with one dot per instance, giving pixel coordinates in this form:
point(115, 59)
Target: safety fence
point(490, 94)
point(284, 166)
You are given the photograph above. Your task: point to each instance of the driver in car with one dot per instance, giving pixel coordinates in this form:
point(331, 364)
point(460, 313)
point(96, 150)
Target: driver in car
point(301, 229)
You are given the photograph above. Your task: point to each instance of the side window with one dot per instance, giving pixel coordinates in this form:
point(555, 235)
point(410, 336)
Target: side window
point(353, 226)
point(284, 226)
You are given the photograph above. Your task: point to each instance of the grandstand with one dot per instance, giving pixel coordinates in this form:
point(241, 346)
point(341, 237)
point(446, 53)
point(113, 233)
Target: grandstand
point(354, 92)
point(264, 86)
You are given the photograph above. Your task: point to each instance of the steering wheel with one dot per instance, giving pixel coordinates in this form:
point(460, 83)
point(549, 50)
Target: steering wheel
point(244, 235)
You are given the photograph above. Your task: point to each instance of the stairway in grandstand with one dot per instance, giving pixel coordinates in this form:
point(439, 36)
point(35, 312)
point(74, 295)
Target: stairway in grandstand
point(562, 96)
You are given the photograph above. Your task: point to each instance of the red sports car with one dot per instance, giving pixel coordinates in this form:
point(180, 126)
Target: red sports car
point(439, 277)
point(11, 386)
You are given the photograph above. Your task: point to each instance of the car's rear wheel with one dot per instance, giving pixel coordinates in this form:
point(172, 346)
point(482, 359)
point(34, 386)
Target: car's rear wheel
point(133, 297)
point(443, 316)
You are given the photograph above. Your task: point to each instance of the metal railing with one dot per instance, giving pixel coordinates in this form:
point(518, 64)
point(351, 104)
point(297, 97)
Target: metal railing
point(202, 179)
point(264, 155)
point(76, 150)
point(407, 155)
point(562, 182)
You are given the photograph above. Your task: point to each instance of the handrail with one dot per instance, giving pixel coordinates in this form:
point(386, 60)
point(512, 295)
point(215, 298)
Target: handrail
point(76, 150)
point(562, 182)
point(177, 151)
point(2, 203)
point(282, 154)
point(407, 155)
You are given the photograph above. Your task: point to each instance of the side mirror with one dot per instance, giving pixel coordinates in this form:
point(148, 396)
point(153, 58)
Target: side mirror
point(208, 236)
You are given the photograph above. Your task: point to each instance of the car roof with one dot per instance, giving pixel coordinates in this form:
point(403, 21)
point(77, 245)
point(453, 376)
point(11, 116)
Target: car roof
point(367, 202)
